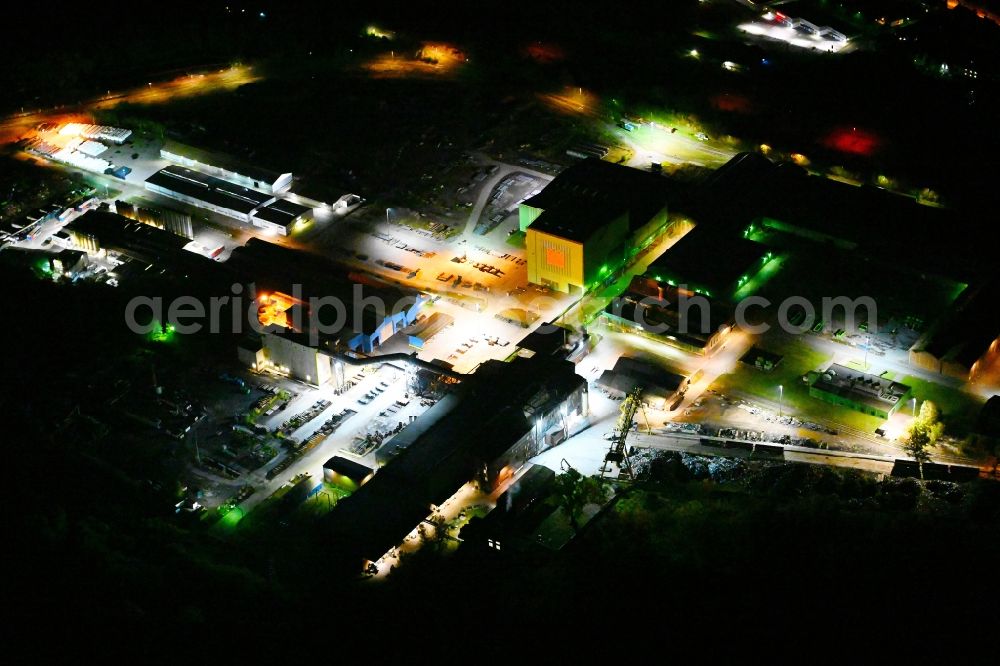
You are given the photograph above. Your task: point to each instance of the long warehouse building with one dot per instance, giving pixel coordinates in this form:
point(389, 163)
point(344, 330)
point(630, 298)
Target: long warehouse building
point(225, 167)
point(205, 191)
point(221, 196)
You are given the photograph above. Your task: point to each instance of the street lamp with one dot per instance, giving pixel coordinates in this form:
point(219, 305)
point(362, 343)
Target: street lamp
point(387, 216)
point(781, 395)
point(914, 401)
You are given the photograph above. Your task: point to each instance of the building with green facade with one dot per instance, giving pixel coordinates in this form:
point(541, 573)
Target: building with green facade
point(869, 394)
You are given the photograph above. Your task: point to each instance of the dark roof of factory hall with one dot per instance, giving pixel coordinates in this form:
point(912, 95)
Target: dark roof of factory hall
point(207, 188)
point(147, 244)
point(347, 467)
point(751, 187)
point(710, 258)
point(282, 212)
point(969, 329)
point(635, 372)
point(276, 268)
point(660, 308)
point(590, 193)
point(445, 448)
point(547, 339)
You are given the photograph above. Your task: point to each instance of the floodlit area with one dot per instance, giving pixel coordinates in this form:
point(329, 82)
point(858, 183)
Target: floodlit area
point(187, 85)
point(802, 39)
point(433, 59)
point(83, 146)
point(572, 100)
point(444, 523)
point(379, 33)
point(654, 142)
point(355, 422)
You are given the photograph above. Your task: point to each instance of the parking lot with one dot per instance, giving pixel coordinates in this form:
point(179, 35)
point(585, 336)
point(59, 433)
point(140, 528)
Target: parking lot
point(504, 199)
point(356, 422)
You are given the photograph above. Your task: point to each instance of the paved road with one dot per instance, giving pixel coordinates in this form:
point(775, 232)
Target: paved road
point(15, 125)
point(643, 156)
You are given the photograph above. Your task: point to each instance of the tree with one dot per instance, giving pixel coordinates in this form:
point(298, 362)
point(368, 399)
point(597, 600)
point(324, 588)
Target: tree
point(574, 491)
point(923, 432)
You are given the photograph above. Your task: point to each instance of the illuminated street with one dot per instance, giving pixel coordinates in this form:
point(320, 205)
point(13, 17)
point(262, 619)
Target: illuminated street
point(200, 83)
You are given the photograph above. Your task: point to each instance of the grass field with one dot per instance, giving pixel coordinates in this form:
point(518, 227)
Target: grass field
point(959, 410)
point(798, 360)
point(322, 502)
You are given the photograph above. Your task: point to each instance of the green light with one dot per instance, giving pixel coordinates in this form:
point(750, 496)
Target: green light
point(231, 517)
point(161, 333)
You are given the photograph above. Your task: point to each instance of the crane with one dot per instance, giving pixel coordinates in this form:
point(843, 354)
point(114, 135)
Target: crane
point(618, 452)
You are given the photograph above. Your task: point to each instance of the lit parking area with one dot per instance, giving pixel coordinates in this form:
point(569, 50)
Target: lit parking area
point(472, 339)
point(798, 38)
point(356, 419)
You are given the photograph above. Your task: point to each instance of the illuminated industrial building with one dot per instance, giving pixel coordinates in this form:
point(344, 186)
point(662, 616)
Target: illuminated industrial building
point(115, 135)
point(345, 473)
point(665, 313)
point(965, 343)
point(372, 313)
point(426, 328)
point(869, 394)
point(278, 216)
point(70, 262)
point(162, 218)
point(224, 167)
point(797, 32)
point(291, 354)
point(485, 431)
point(660, 387)
point(589, 222)
point(209, 192)
point(98, 231)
